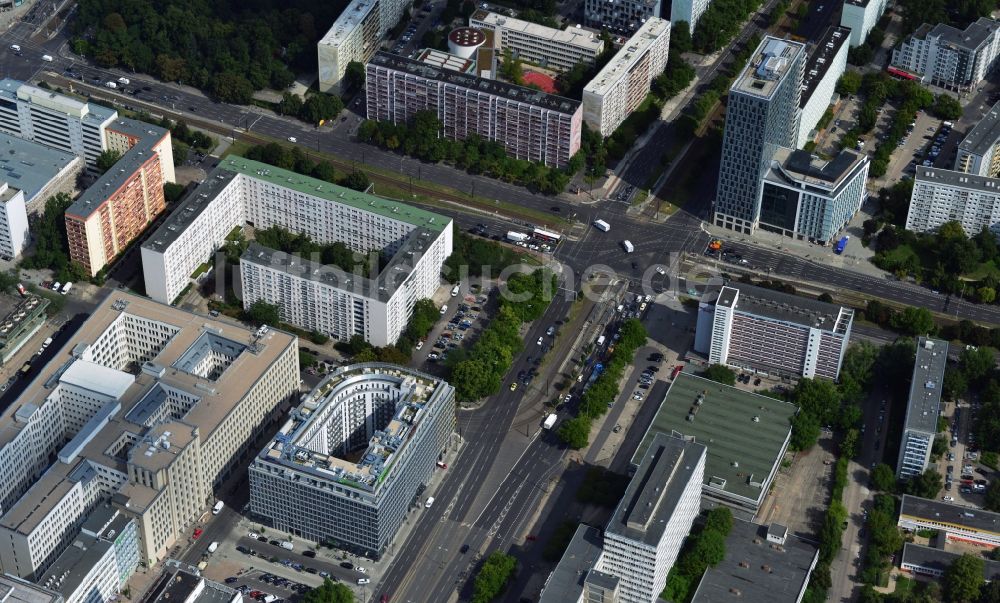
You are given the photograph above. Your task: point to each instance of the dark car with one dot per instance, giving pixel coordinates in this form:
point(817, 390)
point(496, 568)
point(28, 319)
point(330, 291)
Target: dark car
point(262, 538)
point(231, 580)
point(310, 554)
point(274, 543)
point(347, 565)
point(464, 549)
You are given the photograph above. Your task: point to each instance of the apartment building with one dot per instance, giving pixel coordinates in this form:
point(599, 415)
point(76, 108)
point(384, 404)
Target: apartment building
point(559, 50)
point(762, 114)
point(622, 17)
point(942, 55)
point(923, 408)
point(649, 525)
point(126, 199)
point(575, 579)
point(180, 582)
point(978, 153)
point(531, 124)
point(54, 120)
point(51, 170)
point(352, 459)
point(13, 222)
point(941, 196)
point(958, 522)
point(826, 64)
point(772, 333)
point(861, 17)
point(147, 408)
point(621, 86)
point(688, 10)
point(808, 198)
point(355, 36)
point(243, 192)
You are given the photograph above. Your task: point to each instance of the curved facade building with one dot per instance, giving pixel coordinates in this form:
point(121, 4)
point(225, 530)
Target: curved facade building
point(465, 41)
point(353, 457)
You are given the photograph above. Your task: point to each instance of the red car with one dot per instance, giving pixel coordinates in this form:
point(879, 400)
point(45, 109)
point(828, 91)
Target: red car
point(531, 537)
point(197, 533)
point(384, 599)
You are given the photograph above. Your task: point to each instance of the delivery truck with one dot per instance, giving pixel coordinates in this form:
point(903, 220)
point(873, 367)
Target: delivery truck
point(516, 237)
point(628, 246)
point(602, 225)
point(841, 245)
point(550, 421)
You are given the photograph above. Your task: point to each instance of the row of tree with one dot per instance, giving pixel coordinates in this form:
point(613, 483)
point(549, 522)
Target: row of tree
point(316, 108)
point(425, 315)
point(295, 159)
point(721, 22)
point(477, 257)
point(51, 244)
point(702, 549)
point(331, 254)
point(600, 394)
point(492, 577)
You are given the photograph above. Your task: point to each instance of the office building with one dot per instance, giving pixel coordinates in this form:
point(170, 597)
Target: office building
point(126, 199)
point(688, 10)
point(773, 333)
point(530, 124)
point(942, 55)
point(746, 435)
point(861, 16)
point(575, 579)
point(762, 114)
point(243, 192)
point(13, 222)
point(37, 170)
point(355, 36)
point(350, 461)
point(923, 408)
point(621, 17)
point(54, 120)
point(956, 522)
point(22, 318)
point(184, 583)
point(464, 42)
point(826, 64)
point(978, 153)
point(762, 563)
point(558, 50)
point(620, 87)
point(812, 199)
point(920, 560)
point(941, 196)
point(17, 590)
point(147, 407)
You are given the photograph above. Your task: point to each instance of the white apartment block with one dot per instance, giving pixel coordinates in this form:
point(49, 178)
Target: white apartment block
point(620, 87)
point(244, 192)
point(622, 17)
point(941, 196)
point(948, 57)
point(13, 221)
point(923, 407)
point(861, 16)
point(825, 66)
point(688, 10)
point(54, 120)
point(645, 534)
point(355, 36)
point(559, 50)
point(979, 151)
point(146, 407)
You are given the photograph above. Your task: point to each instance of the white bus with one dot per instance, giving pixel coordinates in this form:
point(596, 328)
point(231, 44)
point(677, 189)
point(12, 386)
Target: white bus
point(546, 236)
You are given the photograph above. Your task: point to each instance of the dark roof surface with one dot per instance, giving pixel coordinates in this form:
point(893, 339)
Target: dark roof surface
point(821, 59)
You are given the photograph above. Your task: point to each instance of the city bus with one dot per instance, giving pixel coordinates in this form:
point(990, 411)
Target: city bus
point(546, 236)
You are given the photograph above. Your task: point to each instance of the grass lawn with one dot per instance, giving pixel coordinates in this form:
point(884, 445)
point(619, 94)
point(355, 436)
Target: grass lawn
point(982, 271)
point(200, 270)
point(902, 255)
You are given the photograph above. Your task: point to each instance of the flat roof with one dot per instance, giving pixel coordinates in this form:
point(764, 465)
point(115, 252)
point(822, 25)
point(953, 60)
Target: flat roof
point(439, 58)
point(938, 176)
point(570, 36)
point(984, 135)
point(757, 569)
point(820, 60)
point(30, 166)
point(521, 94)
point(938, 511)
point(777, 305)
point(924, 405)
point(738, 447)
point(178, 583)
point(17, 590)
point(634, 49)
point(68, 572)
point(352, 15)
point(802, 166)
point(767, 67)
point(974, 36)
point(939, 560)
point(15, 90)
point(651, 498)
point(18, 310)
point(115, 178)
point(566, 581)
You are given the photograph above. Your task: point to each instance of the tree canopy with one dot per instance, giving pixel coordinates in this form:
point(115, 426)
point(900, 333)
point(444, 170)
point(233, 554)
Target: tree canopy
point(963, 579)
point(329, 592)
point(720, 374)
point(262, 313)
point(492, 577)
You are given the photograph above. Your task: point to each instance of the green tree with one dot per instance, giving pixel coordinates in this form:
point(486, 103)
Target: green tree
point(914, 321)
point(977, 363)
point(492, 577)
point(849, 83)
point(354, 76)
point(291, 104)
point(719, 519)
point(329, 592)
point(805, 430)
point(232, 87)
point(883, 478)
point(319, 106)
point(262, 313)
point(963, 579)
point(107, 159)
point(575, 432)
point(992, 498)
point(720, 374)
point(947, 107)
point(51, 246)
point(356, 180)
point(318, 337)
point(987, 295)
point(680, 37)
point(306, 360)
point(925, 485)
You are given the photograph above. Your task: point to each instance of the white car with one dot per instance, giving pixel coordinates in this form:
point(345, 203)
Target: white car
point(539, 341)
point(660, 270)
point(363, 581)
point(292, 139)
point(420, 344)
point(361, 569)
point(948, 498)
point(253, 535)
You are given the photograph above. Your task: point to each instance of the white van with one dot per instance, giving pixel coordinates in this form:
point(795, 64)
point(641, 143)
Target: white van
point(287, 545)
point(218, 507)
point(455, 289)
point(213, 547)
point(111, 85)
point(124, 81)
point(430, 501)
point(15, 48)
point(47, 58)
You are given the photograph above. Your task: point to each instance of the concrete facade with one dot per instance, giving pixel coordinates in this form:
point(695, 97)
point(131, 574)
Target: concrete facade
point(941, 196)
point(861, 16)
point(555, 49)
point(948, 57)
point(923, 408)
point(355, 36)
point(623, 17)
point(826, 64)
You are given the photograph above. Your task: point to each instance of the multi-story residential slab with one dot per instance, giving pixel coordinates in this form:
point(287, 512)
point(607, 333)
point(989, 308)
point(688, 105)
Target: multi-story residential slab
point(942, 55)
point(861, 17)
point(923, 408)
point(762, 114)
point(53, 119)
point(646, 531)
point(808, 198)
point(531, 124)
point(957, 522)
point(243, 192)
point(355, 36)
point(772, 333)
point(689, 11)
point(826, 64)
point(555, 49)
point(941, 196)
point(576, 579)
point(126, 199)
point(979, 153)
point(620, 87)
point(13, 222)
point(620, 16)
point(349, 462)
point(147, 407)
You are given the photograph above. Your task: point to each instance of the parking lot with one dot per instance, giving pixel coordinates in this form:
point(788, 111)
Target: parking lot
point(965, 479)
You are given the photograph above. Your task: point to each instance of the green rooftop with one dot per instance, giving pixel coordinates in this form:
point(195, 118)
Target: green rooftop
point(724, 422)
point(332, 192)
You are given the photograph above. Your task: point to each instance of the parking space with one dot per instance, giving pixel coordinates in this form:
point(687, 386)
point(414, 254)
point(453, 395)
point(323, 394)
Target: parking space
point(965, 479)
